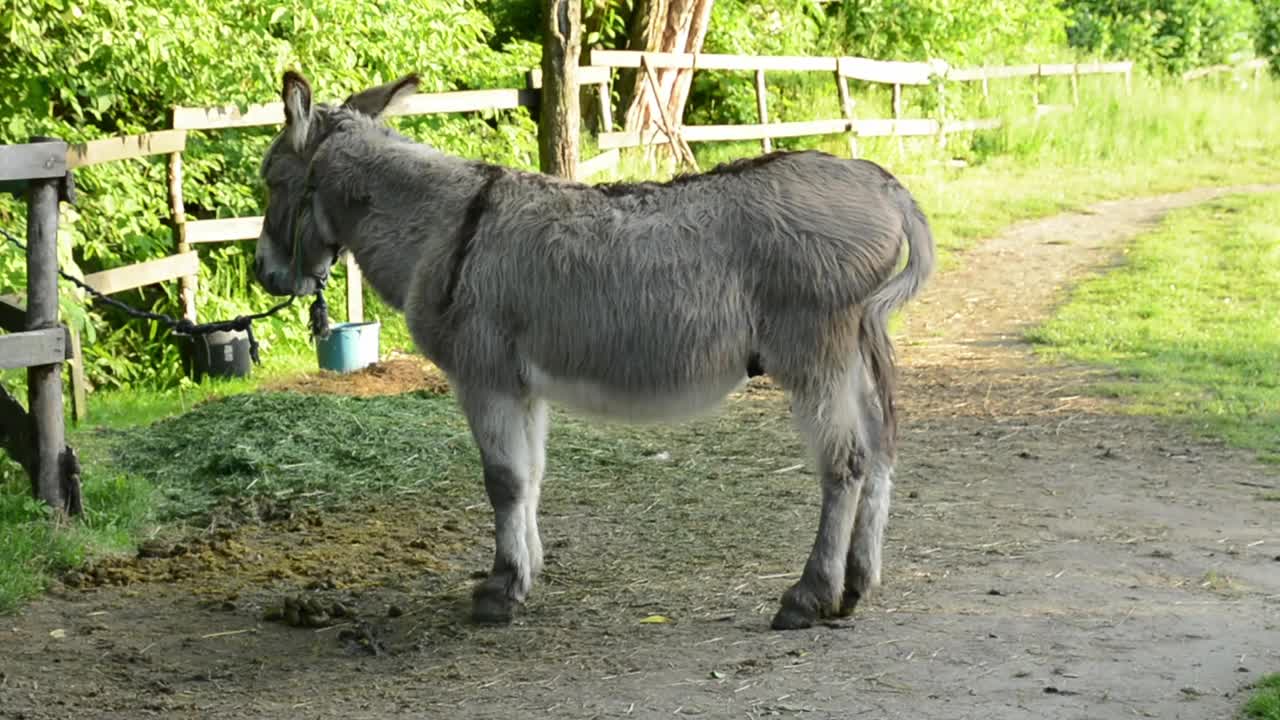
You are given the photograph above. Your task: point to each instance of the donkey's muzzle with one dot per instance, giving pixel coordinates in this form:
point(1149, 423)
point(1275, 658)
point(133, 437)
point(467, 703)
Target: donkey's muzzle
point(276, 282)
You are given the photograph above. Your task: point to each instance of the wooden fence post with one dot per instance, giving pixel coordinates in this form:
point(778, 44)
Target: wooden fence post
point(188, 283)
point(558, 107)
point(50, 481)
point(942, 114)
point(762, 105)
point(355, 290)
point(846, 105)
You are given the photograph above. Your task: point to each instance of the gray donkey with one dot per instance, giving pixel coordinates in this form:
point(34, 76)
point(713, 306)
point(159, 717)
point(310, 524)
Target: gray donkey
point(643, 302)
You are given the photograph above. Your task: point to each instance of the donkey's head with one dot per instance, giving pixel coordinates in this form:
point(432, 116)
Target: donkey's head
point(297, 246)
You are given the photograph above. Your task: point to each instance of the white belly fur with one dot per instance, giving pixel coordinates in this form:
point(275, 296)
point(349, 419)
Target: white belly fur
point(603, 401)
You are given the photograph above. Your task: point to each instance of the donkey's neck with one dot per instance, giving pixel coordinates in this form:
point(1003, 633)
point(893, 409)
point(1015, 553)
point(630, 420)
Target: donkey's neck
point(389, 201)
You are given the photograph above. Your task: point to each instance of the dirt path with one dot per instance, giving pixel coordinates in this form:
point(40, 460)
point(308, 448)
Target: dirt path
point(1048, 557)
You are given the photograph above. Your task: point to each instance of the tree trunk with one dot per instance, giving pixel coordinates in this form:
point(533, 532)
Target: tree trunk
point(669, 26)
point(558, 108)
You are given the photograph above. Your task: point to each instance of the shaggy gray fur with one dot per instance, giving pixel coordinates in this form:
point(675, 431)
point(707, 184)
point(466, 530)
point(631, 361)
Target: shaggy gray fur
point(635, 301)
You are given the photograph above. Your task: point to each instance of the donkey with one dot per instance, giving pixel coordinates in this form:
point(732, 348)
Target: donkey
point(636, 301)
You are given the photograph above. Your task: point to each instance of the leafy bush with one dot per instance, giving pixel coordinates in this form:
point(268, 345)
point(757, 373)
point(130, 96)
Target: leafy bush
point(1168, 36)
point(959, 31)
point(1267, 39)
point(106, 67)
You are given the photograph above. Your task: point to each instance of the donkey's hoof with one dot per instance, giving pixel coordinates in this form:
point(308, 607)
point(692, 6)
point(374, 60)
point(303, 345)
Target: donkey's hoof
point(491, 606)
point(793, 618)
point(848, 602)
point(800, 609)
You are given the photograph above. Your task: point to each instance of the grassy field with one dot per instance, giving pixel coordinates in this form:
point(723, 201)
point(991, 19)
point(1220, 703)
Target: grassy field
point(1162, 139)
point(1190, 322)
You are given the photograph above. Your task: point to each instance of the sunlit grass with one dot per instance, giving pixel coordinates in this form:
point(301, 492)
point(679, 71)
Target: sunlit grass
point(1190, 322)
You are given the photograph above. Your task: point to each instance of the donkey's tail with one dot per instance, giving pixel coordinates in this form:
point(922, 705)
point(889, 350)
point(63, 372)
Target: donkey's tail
point(876, 347)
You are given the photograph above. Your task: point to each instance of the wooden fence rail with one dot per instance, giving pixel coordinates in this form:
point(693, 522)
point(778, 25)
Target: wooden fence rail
point(1257, 65)
point(844, 69)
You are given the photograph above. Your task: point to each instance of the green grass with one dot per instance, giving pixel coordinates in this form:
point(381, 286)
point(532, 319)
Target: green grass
point(1189, 322)
point(288, 446)
point(32, 547)
point(1264, 704)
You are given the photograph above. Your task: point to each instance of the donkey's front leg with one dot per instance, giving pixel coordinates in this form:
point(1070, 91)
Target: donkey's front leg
point(500, 425)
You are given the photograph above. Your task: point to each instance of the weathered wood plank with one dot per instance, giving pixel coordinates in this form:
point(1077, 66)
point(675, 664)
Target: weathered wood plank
point(223, 230)
point(762, 109)
point(355, 290)
point(587, 75)
point(465, 101)
point(862, 127)
point(144, 273)
point(79, 384)
point(1057, 69)
point(714, 133)
point(1115, 68)
point(33, 161)
point(895, 128)
point(194, 118)
point(606, 160)
point(776, 63)
point(991, 73)
point(713, 61)
point(887, 72)
point(32, 348)
point(125, 147)
point(955, 126)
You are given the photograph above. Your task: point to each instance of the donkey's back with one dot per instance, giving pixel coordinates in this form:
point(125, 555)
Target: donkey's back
point(654, 300)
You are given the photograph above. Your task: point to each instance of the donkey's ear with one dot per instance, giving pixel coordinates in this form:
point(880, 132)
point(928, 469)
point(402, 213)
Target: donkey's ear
point(374, 101)
point(297, 108)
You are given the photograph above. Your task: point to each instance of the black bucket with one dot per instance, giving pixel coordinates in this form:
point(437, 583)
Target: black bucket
point(222, 354)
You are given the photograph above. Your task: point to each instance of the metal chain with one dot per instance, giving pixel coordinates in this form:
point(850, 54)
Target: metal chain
point(183, 326)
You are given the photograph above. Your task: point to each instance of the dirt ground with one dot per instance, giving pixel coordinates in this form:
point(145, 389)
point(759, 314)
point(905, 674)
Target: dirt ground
point(1047, 557)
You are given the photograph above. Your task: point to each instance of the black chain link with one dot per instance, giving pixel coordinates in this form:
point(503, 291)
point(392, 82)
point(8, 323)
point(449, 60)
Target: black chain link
point(183, 326)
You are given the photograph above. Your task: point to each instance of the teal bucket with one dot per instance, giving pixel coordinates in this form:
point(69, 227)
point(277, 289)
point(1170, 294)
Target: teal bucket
point(350, 346)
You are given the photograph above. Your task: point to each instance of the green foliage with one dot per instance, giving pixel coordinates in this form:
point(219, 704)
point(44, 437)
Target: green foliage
point(958, 31)
point(770, 27)
point(1189, 321)
point(1169, 36)
point(81, 70)
point(1267, 40)
point(1264, 704)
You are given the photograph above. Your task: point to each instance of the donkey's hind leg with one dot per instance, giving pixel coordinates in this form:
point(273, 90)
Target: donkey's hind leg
point(828, 416)
point(536, 436)
point(862, 569)
point(500, 424)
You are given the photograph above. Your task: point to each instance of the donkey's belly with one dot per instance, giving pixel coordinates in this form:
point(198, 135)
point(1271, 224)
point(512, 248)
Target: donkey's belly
point(637, 405)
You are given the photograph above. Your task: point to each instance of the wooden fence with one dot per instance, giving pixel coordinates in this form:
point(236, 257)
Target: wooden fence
point(843, 69)
point(1257, 65)
point(37, 341)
